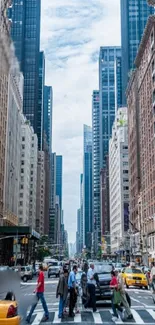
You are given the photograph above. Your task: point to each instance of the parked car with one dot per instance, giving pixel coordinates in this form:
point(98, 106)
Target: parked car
point(26, 273)
point(9, 311)
point(54, 269)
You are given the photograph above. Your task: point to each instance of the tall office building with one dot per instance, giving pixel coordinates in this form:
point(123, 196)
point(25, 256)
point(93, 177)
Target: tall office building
point(59, 181)
point(48, 105)
point(52, 212)
point(87, 183)
point(25, 33)
point(40, 111)
point(96, 159)
point(134, 15)
point(119, 183)
point(78, 236)
point(109, 77)
point(81, 213)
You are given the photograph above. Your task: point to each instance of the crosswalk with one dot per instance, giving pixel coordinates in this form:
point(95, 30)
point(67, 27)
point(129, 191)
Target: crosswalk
point(104, 316)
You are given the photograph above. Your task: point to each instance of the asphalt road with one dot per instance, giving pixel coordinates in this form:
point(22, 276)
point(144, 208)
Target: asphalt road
point(143, 307)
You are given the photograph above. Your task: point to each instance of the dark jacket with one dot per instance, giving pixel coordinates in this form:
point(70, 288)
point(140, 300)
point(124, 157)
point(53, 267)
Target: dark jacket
point(62, 287)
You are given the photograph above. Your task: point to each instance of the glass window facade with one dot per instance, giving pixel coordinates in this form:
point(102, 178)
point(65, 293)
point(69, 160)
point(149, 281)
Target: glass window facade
point(25, 33)
point(134, 15)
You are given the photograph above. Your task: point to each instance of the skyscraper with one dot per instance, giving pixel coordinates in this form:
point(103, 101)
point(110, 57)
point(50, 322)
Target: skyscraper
point(96, 158)
point(134, 15)
point(25, 33)
point(41, 100)
point(87, 183)
point(59, 180)
point(48, 105)
point(81, 213)
point(109, 77)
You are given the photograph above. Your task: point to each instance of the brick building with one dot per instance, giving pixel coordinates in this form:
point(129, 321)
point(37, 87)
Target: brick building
point(141, 110)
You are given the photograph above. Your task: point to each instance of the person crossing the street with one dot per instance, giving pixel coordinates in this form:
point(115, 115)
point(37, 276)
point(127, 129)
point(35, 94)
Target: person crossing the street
point(72, 290)
point(123, 296)
point(62, 292)
point(91, 283)
point(40, 296)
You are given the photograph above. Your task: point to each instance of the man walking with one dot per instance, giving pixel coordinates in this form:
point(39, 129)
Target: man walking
point(62, 291)
point(72, 290)
point(91, 288)
point(40, 296)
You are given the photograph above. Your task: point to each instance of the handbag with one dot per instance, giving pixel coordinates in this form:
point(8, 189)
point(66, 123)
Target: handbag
point(117, 297)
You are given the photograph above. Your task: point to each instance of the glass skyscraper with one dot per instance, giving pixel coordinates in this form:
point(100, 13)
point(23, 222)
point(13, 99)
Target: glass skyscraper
point(59, 181)
point(25, 31)
point(41, 100)
point(47, 124)
point(96, 158)
point(87, 183)
point(110, 95)
point(134, 15)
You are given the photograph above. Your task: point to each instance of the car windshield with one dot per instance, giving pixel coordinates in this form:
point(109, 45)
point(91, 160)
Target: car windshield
point(54, 264)
point(28, 268)
point(135, 271)
point(103, 268)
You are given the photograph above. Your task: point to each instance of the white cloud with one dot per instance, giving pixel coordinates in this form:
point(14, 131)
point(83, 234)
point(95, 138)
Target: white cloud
point(72, 33)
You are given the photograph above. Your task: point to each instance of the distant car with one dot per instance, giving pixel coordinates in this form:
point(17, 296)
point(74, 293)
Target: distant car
point(26, 273)
point(4, 268)
point(54, 269)
point(119, 266)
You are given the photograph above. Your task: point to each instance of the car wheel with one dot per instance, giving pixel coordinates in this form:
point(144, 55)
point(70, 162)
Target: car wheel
point(146, 288)
point(24, 278)
point(154, 300)
point(126, 285)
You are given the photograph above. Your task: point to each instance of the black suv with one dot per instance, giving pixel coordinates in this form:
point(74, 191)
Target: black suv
point(103, 290)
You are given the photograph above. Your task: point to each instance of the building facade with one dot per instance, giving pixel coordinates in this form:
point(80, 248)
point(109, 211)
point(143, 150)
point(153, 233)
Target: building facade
point(87, 185)
point(78, 234)
point(119, 183)
point(25, 32)
point(40, 193)
point(13, 142)
point(40, 110)
point(81, 212)
point(96, 160)
point(48, 106)
point(105, 206)
point(28, 170)
point(134, 15)
point(141, 103)
point(59, 181)
point(5, 43)
point(108, 79)
point(52, 212)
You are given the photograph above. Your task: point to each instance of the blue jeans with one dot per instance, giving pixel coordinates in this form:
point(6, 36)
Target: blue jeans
point(61, 307)
point(40, 296)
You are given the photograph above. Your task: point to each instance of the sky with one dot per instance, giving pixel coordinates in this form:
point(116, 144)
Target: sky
point(72, 32)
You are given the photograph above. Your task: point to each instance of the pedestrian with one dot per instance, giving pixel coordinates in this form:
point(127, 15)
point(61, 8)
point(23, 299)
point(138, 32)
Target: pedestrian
point(40, 296)
point(116, 297)
point(91, 283)
point(62, 292)
point(72, 290)
point(123, 296)
point(152, 276)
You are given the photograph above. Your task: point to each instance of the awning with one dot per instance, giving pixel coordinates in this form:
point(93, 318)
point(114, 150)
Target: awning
point(15, 231)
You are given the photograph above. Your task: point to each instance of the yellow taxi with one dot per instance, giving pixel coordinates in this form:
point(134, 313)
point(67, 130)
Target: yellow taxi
point(9, 313)
point(134, 277)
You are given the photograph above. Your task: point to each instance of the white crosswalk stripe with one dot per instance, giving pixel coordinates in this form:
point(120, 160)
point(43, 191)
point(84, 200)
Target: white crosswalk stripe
point(104, 316)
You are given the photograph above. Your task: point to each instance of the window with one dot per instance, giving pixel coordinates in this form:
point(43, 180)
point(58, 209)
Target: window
point(23, 138)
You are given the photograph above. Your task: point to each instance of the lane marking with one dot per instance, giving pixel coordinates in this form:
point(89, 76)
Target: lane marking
point(152, 313)
point(139, 302)
point(38, 318)
point(77, 318)
point(137, 317)
point(97, 318)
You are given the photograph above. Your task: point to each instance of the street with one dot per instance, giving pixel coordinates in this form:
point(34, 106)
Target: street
point(143, 308)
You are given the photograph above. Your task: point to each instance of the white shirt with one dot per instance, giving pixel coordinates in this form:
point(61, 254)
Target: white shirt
point(152, 271)
point(90, 274)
